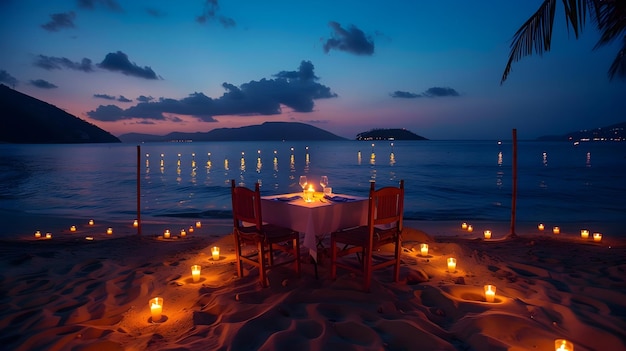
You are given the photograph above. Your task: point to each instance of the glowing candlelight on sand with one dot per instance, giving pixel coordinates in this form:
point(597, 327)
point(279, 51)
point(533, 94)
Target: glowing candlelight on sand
point(156, 308)
point(73, 228)
point(91, 222)
point(109, 231)
point(38, 234)
point(424, 249)
point(195, 272)
point(215, 251)
point(198, 224)
point(464, 226)
point(48, 235)
point(166, 234)
point(597, 237)
point(89, 238)
point(190, 229)
point(470, 228)
point(490, 293)
point(487, 234)
point(540, 227)
point(563, 345)
point(451, 264)
point(584, 233)
point(136, 223)
point(556, 230)
point(183, 233)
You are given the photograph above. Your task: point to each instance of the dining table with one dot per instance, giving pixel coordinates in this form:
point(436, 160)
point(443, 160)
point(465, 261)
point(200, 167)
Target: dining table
point(316, 218)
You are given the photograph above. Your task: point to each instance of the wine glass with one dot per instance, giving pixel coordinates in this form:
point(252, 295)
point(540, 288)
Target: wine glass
point(303, 182)
point(324, 182)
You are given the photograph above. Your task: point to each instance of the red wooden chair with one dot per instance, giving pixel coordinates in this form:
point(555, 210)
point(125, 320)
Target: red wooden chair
point(249, 229)
point(384, 226)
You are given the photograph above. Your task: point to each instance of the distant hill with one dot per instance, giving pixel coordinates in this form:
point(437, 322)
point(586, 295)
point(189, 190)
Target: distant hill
point(268, 131)
point(389, 134)
point(615, 132)
point(26, 120)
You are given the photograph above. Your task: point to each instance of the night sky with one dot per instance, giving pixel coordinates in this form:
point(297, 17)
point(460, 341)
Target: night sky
point(432, 67)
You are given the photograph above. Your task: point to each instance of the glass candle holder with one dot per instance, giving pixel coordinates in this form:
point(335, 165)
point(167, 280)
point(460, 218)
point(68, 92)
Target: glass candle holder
point(487, 234)
point(167, 234)
point(451, 264)
point(215, 252)
point(584, 234)
point(156, 308)
point(195, 272)
point(541, 227)
point(563, 345)
point(490, 293)
point(424, 249)
point(597, 237)
point(556, 230)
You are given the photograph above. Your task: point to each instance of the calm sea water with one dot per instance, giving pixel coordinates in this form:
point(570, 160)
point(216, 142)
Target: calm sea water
point(445, 180)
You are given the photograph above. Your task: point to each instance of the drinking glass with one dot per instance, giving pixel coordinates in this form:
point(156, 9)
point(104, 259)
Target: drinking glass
point(303, 182)
point(324, 182)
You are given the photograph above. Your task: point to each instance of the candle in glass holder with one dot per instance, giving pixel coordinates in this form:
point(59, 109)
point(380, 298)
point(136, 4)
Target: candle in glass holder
point(540, 227)
point(597, 237)
point(91, 222)
point(183, 233)
point(198, 224)
point(487, 234)
point(89, 238)
point(556, 230)
point(38, 234)
point(48, 235)
point(190, 229)
point(73, 228)
point(490, 293)
point(215, 251)
point(424, 249)
point(584, 234)
point(464, 226)
point(470, 228)
point(156, 308)
point(109, 231)
point(195, 272)
point(451, 264)
point(309, 194)
point(563, 345)
point(166, 234)
point(136, 223)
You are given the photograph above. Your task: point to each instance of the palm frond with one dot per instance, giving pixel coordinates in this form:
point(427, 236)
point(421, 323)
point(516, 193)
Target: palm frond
point(611, 20)
point(618, 67)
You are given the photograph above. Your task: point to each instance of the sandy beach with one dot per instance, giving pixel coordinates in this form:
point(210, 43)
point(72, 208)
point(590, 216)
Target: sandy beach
point(69, 293)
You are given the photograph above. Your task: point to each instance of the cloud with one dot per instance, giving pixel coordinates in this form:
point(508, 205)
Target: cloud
point(294, 89)
point(209, 13)
point(351, 40)
point(59, 21)
point(50, 63)
point(123, 99)
point(143, 98)
point(118, 61)
point(104, 96)
point(108, 4)
point(5, 77)
point(155, 12)
point(430, 92)
point(40, 83)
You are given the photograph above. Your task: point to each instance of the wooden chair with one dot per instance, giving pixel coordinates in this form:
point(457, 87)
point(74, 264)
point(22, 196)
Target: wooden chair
point(248, 228)
point(384, 226)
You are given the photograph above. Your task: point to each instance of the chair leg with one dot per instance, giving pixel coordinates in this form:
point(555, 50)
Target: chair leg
point(262, 264)
point(333, 258)
point(238, 257)
point(296, 254)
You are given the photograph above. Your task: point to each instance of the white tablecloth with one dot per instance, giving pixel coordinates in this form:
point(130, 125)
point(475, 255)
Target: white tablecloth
point(314, 219)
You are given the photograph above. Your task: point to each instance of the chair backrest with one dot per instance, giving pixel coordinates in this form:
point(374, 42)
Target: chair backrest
point(246, 205)
point(386, 206)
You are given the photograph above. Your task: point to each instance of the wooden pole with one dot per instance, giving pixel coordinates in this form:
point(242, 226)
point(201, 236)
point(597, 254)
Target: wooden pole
point(138, 190)
point(514, 194)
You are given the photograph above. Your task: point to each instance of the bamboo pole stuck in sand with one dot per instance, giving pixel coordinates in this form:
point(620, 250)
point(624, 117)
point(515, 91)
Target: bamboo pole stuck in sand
point(514, 194)
point(138, 189)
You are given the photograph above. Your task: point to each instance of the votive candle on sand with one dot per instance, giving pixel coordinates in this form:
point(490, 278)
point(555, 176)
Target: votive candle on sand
point(156, 308)
point(183, 232)
point(190, 229)
point(195, 272)
point(597, 237)
point(470, 228)
point(424, 249)
point(198, 224)
point(136, 223)
point(215, 251)
point(490, 293)
point(540, 227)
point(563, 345)
point(91, 222)
point(73, 228)
point(464, 226)
point(451, 264)
point(166, 234)
point(89, 238)
point(556, 230)
point(487, 234)
point(109, 231)
point(48, 235)
point(584, 234)
point(38, 234)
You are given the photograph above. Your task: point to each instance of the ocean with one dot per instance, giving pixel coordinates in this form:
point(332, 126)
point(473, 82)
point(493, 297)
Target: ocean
point(444, 180)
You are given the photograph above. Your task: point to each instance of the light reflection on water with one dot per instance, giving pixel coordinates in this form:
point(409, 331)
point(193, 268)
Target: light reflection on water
point(445, 180)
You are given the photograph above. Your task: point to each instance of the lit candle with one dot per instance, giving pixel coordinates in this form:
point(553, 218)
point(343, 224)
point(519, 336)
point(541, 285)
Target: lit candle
point(451, 264)
point(191, 229)
point(195, 273)
point(584, 234)
point(89, 238)
point(91, 222)
point(487, 234)
point(556, 230)
point(48, 235)
point(470, 228)
point(183, 232)
point(73, 228)
point(109, 231)
point(464, 226)
point(215, 251)
point(540, 226)
point(563, 345)
point(156, 308)
point(309, 193)
point(136, 223)
point(38, 234)
point(166, 234)
point(198, 224)
point(424, 249)
point(490, 293)
point(597, 237)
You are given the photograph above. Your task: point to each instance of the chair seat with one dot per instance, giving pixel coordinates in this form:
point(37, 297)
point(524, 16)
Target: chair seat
point(359, 236)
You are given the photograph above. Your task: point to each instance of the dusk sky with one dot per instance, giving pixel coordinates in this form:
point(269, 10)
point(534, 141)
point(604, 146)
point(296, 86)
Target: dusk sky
point(431, 67)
